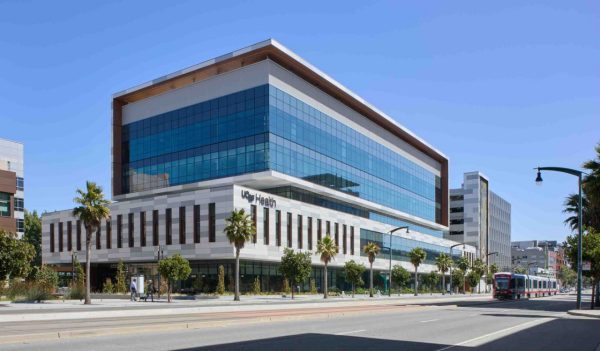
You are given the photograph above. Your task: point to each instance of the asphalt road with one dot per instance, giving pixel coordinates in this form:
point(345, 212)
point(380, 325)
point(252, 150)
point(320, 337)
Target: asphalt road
point(538, 324)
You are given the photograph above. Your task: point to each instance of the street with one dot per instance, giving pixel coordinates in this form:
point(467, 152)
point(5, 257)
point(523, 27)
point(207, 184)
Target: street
point(537, 324)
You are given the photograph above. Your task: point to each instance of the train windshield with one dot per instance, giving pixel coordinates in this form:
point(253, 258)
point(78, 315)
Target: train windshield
point(502, 283)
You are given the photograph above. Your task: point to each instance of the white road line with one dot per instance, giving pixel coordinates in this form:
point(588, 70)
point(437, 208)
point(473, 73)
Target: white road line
point(495, 333)
point(351, 332)
point(429, 320)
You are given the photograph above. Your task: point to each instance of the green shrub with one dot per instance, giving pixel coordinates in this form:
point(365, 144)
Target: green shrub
point(28, 291)
point(121, 286)
point(256, 286)
point(221, 281)
point(313, 286)
point(16, 288)
point(361, 291)
point(77, 292)
point(108, 287)
point(47, 278)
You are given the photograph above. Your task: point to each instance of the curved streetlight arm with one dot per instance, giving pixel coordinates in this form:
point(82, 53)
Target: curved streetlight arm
point(561, 169)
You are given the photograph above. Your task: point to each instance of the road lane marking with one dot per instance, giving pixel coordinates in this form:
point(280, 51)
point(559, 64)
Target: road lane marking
point(533, 322)
point(351, 332)
point(429, 320)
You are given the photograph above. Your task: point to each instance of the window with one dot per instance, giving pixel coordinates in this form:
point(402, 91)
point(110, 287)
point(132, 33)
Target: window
point(319, 230)
point(456, 197)
point(5, 205)
point(155, 227)
point(212, 225)
point(299, 231)
point(20, 225)
point(277, 228)
point(457, 209)
point(168, 234)
point(108, 233)
point(456, 232)
point(142, 229)
point(196, 224)
point(69, 236)
point(20, 183)
point(351, 240)
point(309, 234)
point(99, 237)
point(457, 221)
point(60, 236)
point(182, 225)
point(119, 231)
point(336, 228)
point(344, 238)
point(19, 204)
point(289, 229)
point(51, 237)
point(130, 229)
point(327, 228)
point(253, 216)
point(78, 227)
point(266, 225)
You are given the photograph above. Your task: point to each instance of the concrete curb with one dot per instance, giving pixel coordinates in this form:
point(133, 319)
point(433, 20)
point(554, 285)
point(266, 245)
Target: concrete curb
point(179, 326)
point(583, 314)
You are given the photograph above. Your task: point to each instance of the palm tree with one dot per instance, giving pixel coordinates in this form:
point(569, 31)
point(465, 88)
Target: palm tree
point(327, 249)
point(417, 256)
point(372, 250)
point(239, 229)
point(92, 209)
point(463, 265)
point(443, 263)
point(590, 197)
point(479, 268)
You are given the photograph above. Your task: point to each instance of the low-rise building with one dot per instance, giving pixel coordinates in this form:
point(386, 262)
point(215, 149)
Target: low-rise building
point(12, 195)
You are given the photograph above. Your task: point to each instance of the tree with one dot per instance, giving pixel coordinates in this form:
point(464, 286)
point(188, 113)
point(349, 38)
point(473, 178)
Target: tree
point(401, 276)
point(313, 286)
point(590, 197)
point(121, 285)
point(472, 279)
point(285, 286)
point(295, 266)
point(353, 272)
point(371, 250)
point(458, 279)
point(463, 264)
point(443, 263)
point(479, 268)
point(327, 249)
point(221, 280)
point(15, 256)
point(431, 280)
point(33, 235)
point(47, 279)
point(240, 228)
point(174, 268)
point(520, 270)
point(92, 209)
point(256, 286)
point(567, 276)
point(590, 243)
point(417, 256)
point(492, 269)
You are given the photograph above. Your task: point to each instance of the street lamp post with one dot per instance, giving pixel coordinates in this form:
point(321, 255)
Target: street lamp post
point(451, 247)
point(390, 270)
point(487, 265)
point(579, 175)
point(160, 254)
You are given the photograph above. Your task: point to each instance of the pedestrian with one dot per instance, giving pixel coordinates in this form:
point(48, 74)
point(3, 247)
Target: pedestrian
point(149, 291)
point(133, 288)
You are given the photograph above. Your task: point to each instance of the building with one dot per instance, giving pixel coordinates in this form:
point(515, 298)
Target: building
point(481, 218)
point(538, 255)
point(12, 196)
point(263, 130)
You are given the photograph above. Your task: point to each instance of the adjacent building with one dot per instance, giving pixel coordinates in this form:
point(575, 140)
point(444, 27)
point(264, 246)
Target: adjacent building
point(12, 196)
point(545, 256)
point(481, 218)
point(258, 129)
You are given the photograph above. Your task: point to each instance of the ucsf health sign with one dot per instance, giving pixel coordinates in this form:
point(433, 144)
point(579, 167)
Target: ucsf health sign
point(258, 199)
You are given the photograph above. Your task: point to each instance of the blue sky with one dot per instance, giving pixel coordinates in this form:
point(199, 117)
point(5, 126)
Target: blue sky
point(499, 87)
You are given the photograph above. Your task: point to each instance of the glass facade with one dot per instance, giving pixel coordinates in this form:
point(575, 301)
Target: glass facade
point(265, 128)
point(5, 205)
point(402, 246)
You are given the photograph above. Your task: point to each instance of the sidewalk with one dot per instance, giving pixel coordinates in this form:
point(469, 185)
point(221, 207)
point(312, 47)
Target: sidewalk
point(586, 313)
point(73, 309)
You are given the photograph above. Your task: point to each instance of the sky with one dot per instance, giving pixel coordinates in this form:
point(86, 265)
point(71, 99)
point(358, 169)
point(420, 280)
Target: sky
point(498, 86)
